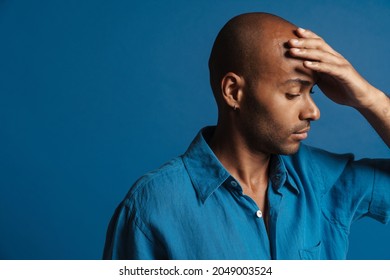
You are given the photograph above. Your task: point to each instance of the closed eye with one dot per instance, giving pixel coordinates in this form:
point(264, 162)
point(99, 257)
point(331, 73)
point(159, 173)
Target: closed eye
point(291, 96)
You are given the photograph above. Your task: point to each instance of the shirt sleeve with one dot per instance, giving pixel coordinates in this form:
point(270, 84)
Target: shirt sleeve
point(128, 238)
point(379, 207)
point(362, 189)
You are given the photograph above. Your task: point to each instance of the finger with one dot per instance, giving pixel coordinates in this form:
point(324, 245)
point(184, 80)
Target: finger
point(316, 55)
point(312, 43)
point(323, 67)
point(308, 34)
point(305, 33)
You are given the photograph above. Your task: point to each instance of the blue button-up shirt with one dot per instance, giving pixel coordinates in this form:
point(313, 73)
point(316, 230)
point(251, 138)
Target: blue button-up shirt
point(192, 208)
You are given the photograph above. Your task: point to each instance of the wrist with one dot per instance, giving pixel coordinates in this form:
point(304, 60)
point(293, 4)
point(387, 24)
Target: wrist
point(375, 100)
point(371, 98)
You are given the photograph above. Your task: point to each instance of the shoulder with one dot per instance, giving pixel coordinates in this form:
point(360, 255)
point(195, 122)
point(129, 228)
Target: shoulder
point(322, 157)
point(163, 179)
point(311, 156)
point(158, 189)
point(319, 167)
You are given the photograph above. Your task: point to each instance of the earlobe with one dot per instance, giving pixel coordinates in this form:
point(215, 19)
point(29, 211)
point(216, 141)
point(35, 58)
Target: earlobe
point(231, 88)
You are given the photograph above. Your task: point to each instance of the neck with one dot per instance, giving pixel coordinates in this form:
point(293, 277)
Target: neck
point(247, 166)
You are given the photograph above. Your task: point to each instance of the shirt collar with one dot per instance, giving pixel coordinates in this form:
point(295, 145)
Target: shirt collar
point(279, 175)
point(205, 170)
point(208, 174)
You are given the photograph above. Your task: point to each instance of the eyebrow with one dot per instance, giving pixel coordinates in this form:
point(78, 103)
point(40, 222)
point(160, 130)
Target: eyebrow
point(298, 81)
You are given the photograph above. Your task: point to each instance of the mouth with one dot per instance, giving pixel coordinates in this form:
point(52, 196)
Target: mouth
point(301, 134)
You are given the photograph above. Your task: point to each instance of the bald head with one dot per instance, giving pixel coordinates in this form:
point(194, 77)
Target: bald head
point(243, 45)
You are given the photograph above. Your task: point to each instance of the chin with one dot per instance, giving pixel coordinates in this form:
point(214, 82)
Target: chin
point(288, 149)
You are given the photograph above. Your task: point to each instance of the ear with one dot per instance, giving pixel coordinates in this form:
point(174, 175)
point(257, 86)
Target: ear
point(232, 86)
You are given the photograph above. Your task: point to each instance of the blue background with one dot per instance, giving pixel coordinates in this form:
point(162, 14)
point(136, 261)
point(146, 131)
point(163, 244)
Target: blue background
point(95, 93)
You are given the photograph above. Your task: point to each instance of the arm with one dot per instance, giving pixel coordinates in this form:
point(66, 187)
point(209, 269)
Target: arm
point(378, 115)
point(341, 82)
point(127, 238)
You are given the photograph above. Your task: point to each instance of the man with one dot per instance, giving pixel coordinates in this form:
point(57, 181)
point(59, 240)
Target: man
point(248, 188)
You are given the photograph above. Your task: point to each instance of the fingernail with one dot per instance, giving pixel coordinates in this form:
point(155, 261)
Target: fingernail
point(300, 29)
point(296, 50)
point(311, 63)
point(294, 41)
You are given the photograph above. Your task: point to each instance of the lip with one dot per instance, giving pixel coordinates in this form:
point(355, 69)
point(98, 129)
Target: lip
point(306, 130)
point(301, 134)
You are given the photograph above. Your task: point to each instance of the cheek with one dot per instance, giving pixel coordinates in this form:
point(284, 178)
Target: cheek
point(284, 111)
point(268, 124)
point(271, 114)
point(279, 122)
point(277, 114)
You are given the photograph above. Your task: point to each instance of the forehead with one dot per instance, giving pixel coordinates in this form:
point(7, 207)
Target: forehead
point(274, 60)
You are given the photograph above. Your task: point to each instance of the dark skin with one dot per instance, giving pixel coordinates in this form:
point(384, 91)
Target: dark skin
point(341, 82)
point(271, 112)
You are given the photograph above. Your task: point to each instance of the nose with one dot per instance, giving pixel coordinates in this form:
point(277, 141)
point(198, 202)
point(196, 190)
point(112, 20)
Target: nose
point(309, 110)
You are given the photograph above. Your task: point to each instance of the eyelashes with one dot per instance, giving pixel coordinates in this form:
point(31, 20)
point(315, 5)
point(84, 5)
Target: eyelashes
point(291, 96)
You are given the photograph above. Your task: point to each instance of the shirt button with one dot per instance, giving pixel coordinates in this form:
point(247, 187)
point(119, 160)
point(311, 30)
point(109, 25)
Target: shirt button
point(233, 183)
point(259, 214)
